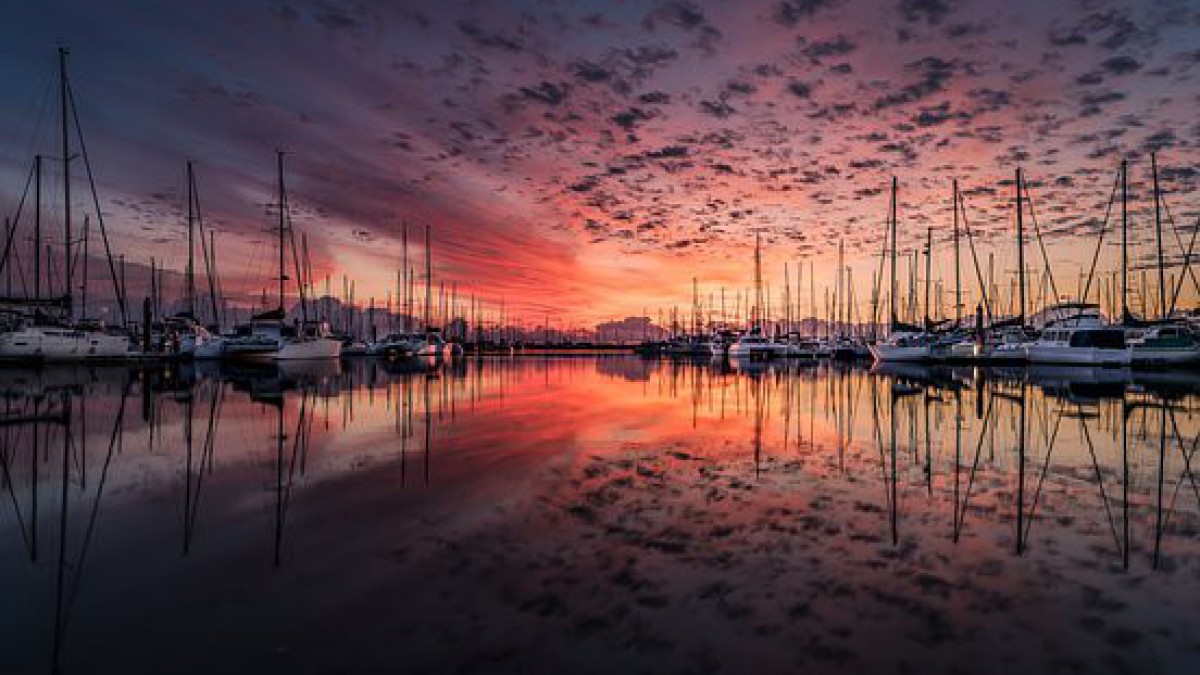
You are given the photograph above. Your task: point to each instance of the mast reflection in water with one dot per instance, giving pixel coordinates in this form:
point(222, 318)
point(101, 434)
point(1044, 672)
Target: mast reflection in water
point(535, 514)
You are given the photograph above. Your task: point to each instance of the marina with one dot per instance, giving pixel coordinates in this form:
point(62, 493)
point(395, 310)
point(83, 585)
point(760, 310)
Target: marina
point(670, 336)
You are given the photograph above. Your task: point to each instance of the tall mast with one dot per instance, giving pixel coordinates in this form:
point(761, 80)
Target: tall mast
point(1020, 251)
point(191, 262)
point(928, 270)
point(282, 225)
point(66, 164)
point(1124, 241)
point(213, 277)
point(1162, 281)
point(799, 294)
point(756, 315)
point(37, 227)
point(840, 295)
point(428, 279)
point(83, 288)
point(895, 288)
point(695, 307)
point(958, 303)
point(812, 293)
point(407, 296)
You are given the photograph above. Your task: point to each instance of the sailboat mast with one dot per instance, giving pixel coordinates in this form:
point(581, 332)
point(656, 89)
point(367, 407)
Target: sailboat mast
point(840, 293)
point(895, 288)
point(756, 315)
point(428, 279)
point(37, 227)
point(1020, 250)
point(282, 225)
point(64, 103)
point(928, 270)
point(1124, 241)
point(407, 295)
point(1162, 280)
point(212, 277)
point(191, 244)
point(695, 307)
point(958, 303)
point(83, 287)
point(812, 294)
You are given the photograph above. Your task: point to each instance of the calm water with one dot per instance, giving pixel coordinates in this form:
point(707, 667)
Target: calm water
point(543, 514)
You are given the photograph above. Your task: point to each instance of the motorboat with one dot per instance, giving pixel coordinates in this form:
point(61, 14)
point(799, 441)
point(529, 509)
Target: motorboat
point(799, 347)
point(1081, 341)
point(753, 344)
point(903, 346)
point(395, 345)
point(313, 340)
point(1165, 345)
point(63, 343)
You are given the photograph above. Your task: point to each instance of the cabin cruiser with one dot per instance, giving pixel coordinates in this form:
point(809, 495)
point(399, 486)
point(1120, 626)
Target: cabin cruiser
point(754, 345)
point(797, 347)
point(63, 343)
point(1165, 345)
point(689, 345)
point(395, 345)
point(956, 346)
point(269, 338)
point(313, 340)
point(1083, 340)
point(902, 345)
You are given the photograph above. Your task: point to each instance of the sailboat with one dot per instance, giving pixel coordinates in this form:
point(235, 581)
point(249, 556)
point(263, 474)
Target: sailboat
point(399, 344)
point(432, 344)
point(187, 335)
point(1168, 341)
point(42, 336)
point(269, 337)
point(904, 342)
point(754, 344)
point(1075, 334)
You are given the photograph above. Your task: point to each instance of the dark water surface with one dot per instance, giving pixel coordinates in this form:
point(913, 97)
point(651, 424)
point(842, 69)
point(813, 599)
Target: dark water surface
point(598, 514)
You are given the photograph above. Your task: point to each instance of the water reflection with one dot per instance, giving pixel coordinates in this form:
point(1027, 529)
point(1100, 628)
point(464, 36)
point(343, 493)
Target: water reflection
point(230, 468)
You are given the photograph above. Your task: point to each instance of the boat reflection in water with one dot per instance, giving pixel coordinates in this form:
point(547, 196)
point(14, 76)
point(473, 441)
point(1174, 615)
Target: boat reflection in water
point(528, 513)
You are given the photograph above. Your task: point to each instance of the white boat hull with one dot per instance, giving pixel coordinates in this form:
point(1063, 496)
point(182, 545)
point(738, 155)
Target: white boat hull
point(62, 345)
point(755, 351)
point(303, 350)
point(1143, 356)
point(1003, 353)
point(894, 353)
point(1079, 356)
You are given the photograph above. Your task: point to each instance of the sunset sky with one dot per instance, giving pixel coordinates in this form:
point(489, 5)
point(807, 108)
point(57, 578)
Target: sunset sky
point(587, 159)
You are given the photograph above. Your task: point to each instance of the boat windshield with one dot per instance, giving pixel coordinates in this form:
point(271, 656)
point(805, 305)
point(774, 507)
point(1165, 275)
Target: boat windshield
point(1099, 339)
